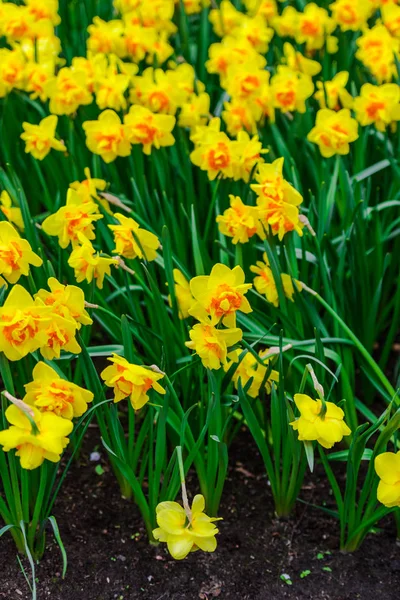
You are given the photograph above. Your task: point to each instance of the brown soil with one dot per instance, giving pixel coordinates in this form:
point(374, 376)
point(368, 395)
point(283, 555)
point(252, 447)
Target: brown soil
point(110, 559)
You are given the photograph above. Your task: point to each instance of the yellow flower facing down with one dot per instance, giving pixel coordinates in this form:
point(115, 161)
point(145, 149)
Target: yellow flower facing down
point(240, 222)
point(277, 201)
point(334, 92)
point(334, 131)
point(71, 220)
point(193, 7)
point(219, 295)
point(13, 214)
point(107, 136)
point(47, 444)
point(23, 324)
point(290, 90)
point(212, 344)
point(311, 425)
point(149, 129)
point(387, 467)
point(183, 294)
point(40, 139)
point(16, 254)
point(68, 301)
point(249, 368)
point(131, 241)
point(379, 105)
point(133, 381)
point(48, 392)
point(183, 534)
point(89, 264)
point(265, 284)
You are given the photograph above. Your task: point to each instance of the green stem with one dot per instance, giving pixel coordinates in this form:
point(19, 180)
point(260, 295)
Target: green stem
point(363, 351)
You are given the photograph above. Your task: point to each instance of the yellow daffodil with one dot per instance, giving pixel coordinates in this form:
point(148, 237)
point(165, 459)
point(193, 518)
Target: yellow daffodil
point(60, 334)
point(314, 27)
point(327, 429)
point(332, 94)
point(68, 301)
point(391, 18)
point(47, 444)
point(184, 532)
point(265, 8)
point(225, 18)
point(89, 264)
point(219, 295)
point(157, 91)
point(38, 76)
point(297, 62)
point(40, 139)
point(232, 51)
point(212, 344)
point(241, 115)
point(131, 241)
point(110, 88)
point(71, 220)
point(387, 467)
point(107, 136)
point(23, 324)
point(216, 155)
point(12, 70)
point(265, 284)
point(183, 294)
point(376, 50)
point(379, 105)
point(88, 189)
point(106, 36)
point(350, 15)
point(133, 381)
point(240, 222)
point(248, 151)
point(249, 368)
point(277, 201)
point(290, 89)
point(286, 24)
point(195, 111)
point(48, 392)
point(334, 131)
point(67, 92)
point(150, 130)
point(16, 254)
point(13, 214)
